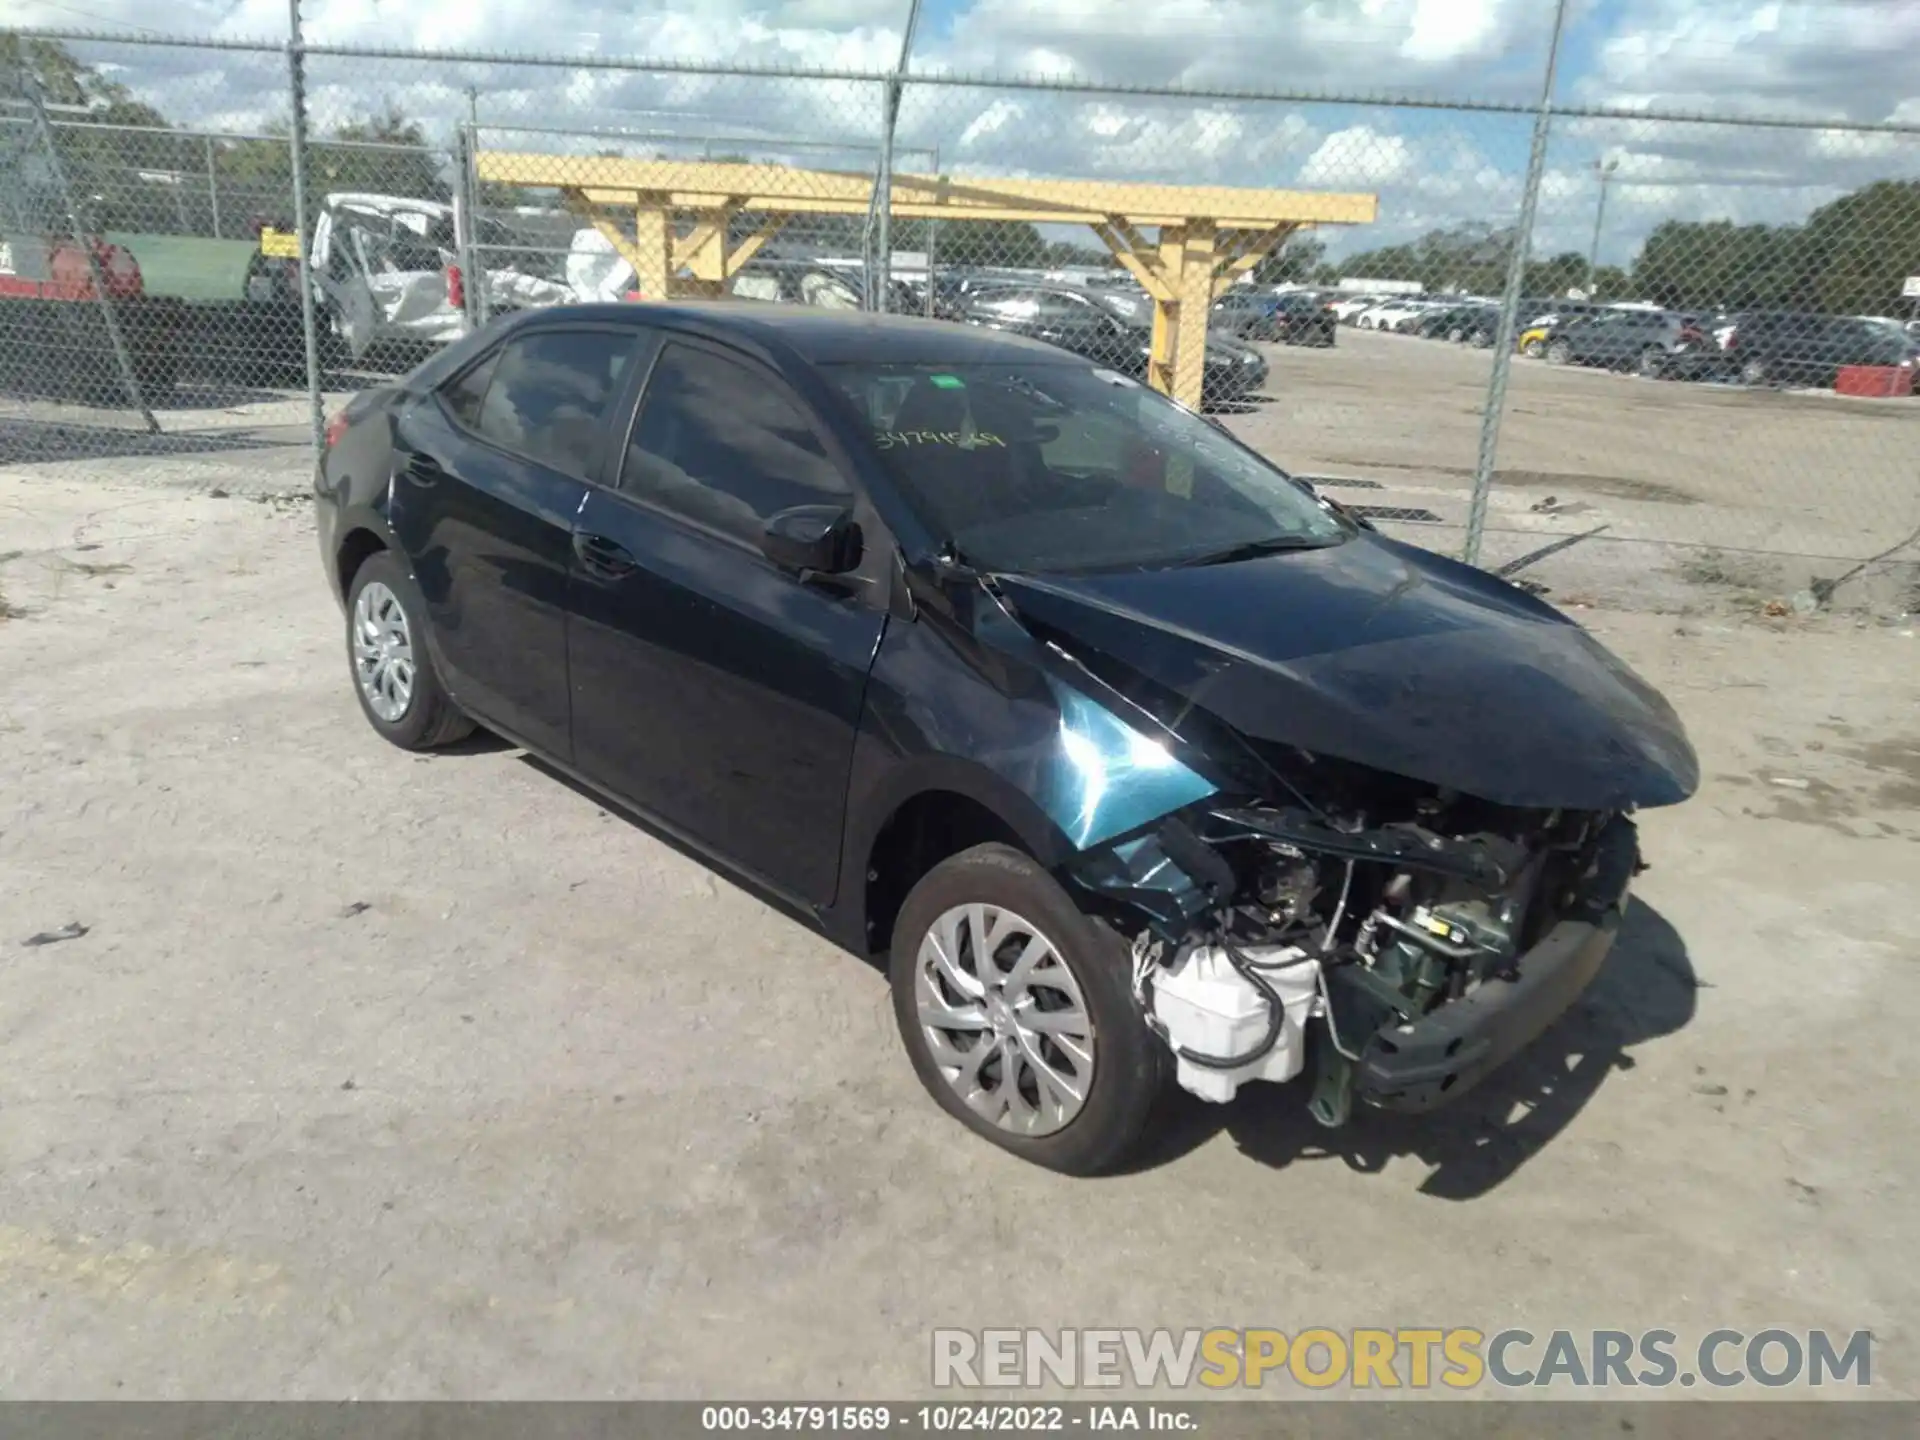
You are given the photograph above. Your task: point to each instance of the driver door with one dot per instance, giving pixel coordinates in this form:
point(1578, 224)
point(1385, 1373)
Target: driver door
point(712, 689)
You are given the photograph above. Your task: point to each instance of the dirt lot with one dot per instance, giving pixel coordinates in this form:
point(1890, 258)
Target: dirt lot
point(1685, 465)
point(377, 1075)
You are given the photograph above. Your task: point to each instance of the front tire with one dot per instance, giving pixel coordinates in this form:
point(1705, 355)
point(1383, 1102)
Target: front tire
point(393, 676)
point(1017, 1013)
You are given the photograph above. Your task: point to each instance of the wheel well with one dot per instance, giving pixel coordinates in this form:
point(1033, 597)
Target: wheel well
point(925, 830)
point(354, 551)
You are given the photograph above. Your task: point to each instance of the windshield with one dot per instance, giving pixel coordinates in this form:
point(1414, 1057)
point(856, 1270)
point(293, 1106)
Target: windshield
point(1038, 466)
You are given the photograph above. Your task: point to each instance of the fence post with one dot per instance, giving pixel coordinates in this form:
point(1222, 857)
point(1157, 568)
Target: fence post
point(1510, 300)
point(464, 245)
point(213, 189)
point(83, 239)
point(297, 146)
point(880, 256)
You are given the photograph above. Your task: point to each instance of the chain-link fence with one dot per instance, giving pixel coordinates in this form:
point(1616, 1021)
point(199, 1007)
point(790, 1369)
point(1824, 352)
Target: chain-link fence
point(1473, 317)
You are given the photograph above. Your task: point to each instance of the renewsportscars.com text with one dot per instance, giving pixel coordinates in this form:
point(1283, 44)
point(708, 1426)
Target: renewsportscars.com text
point(1409, 1359)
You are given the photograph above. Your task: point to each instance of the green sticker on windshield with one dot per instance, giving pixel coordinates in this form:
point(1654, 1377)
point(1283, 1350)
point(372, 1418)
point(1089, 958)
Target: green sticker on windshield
point(947, 382)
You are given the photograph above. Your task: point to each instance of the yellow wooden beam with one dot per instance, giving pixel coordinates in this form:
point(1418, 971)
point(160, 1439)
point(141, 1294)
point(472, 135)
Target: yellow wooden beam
point(750, 245)
point(703, 184)
point(1250, 248)
point(1135, 256)
point(653, 269)
point(1195, 309)
point(703, 251)
point(1166, 310)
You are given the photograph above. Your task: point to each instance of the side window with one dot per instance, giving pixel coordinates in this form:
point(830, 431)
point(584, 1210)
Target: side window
point(1009, 304)
point(464, 394)
point(716, 441)
point(1065, 309)
point(550, 394)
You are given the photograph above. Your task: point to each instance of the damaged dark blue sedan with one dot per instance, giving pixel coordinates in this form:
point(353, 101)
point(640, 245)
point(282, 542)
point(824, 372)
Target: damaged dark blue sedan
point(1142, 763)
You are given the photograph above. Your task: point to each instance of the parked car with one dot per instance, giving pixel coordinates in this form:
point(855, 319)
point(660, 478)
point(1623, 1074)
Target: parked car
point(388, 277)
point(1135, 758)
point(1392, 315)
point(1293, 318)
point(1789, 347)
point(1636, 339)
point(1536, 332)
point(808, 282)
point(1452, 322)
point(1099, 326)
point(1349, 310)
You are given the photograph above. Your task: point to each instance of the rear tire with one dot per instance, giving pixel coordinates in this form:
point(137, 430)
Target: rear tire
point(1653, 363)
point(1754, 372)
point(387, 655)
point(1027, 1027)
point(1559, 353)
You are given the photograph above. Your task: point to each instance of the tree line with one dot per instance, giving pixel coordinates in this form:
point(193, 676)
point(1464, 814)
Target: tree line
point(1851, 256)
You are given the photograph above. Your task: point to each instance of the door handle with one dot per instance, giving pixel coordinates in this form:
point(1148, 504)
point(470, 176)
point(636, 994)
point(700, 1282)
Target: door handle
point(603, 557)
point(422, 469)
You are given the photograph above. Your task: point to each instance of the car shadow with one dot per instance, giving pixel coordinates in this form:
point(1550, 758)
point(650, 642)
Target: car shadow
point(1645, 990)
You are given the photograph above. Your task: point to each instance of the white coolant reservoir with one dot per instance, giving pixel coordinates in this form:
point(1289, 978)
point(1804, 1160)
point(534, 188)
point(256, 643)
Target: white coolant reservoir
point(1207, 1007)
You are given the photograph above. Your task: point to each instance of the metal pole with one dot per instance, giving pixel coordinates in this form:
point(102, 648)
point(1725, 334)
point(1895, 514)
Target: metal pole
point(880, 267)
point(933, 241)
point(213, 189)
point(475, 264)
point(297, 144)
point(1605, 171)
point(1510, 299)
point(83, 239)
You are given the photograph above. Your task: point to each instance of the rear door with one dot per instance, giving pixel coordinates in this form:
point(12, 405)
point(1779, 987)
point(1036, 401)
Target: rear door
point(712, 689)
point(490, 474)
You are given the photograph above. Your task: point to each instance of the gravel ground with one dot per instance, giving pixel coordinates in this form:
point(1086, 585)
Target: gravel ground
point(384, 1076)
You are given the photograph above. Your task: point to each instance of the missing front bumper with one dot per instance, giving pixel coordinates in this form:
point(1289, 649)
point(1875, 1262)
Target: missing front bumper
point(1423, 1064)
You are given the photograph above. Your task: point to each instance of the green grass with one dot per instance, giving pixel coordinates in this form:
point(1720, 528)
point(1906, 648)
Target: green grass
point(190, 266)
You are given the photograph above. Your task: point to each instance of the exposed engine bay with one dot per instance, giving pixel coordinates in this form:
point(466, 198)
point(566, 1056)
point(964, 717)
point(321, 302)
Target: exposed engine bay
point(1370, 821)
point(1402, 949)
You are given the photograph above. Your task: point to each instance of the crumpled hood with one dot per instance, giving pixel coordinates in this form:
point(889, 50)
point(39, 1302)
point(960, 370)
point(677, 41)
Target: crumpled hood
point(1391, 657)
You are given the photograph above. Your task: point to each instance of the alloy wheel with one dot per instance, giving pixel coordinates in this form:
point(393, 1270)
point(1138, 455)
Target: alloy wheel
point(1004, 1019)
point(383, 651)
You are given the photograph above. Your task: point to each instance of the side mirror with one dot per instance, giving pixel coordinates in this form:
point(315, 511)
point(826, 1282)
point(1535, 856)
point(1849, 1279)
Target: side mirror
point(822, 538)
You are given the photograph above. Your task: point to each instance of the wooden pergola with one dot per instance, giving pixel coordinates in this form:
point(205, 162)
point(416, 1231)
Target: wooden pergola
point(684, 240)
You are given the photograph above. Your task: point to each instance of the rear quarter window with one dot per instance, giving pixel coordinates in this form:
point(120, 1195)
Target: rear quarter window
point(546, 395)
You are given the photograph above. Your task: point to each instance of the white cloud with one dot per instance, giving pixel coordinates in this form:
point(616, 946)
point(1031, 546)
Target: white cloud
point(1357, 156)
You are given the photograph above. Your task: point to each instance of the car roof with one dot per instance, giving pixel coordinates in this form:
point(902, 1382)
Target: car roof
point(818, 335)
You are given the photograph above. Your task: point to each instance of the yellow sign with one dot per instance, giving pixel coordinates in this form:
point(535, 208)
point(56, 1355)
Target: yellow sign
point(280, 244)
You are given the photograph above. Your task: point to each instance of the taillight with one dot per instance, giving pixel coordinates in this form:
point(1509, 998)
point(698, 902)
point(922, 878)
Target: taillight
point(336, 427)
point(456, 288)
